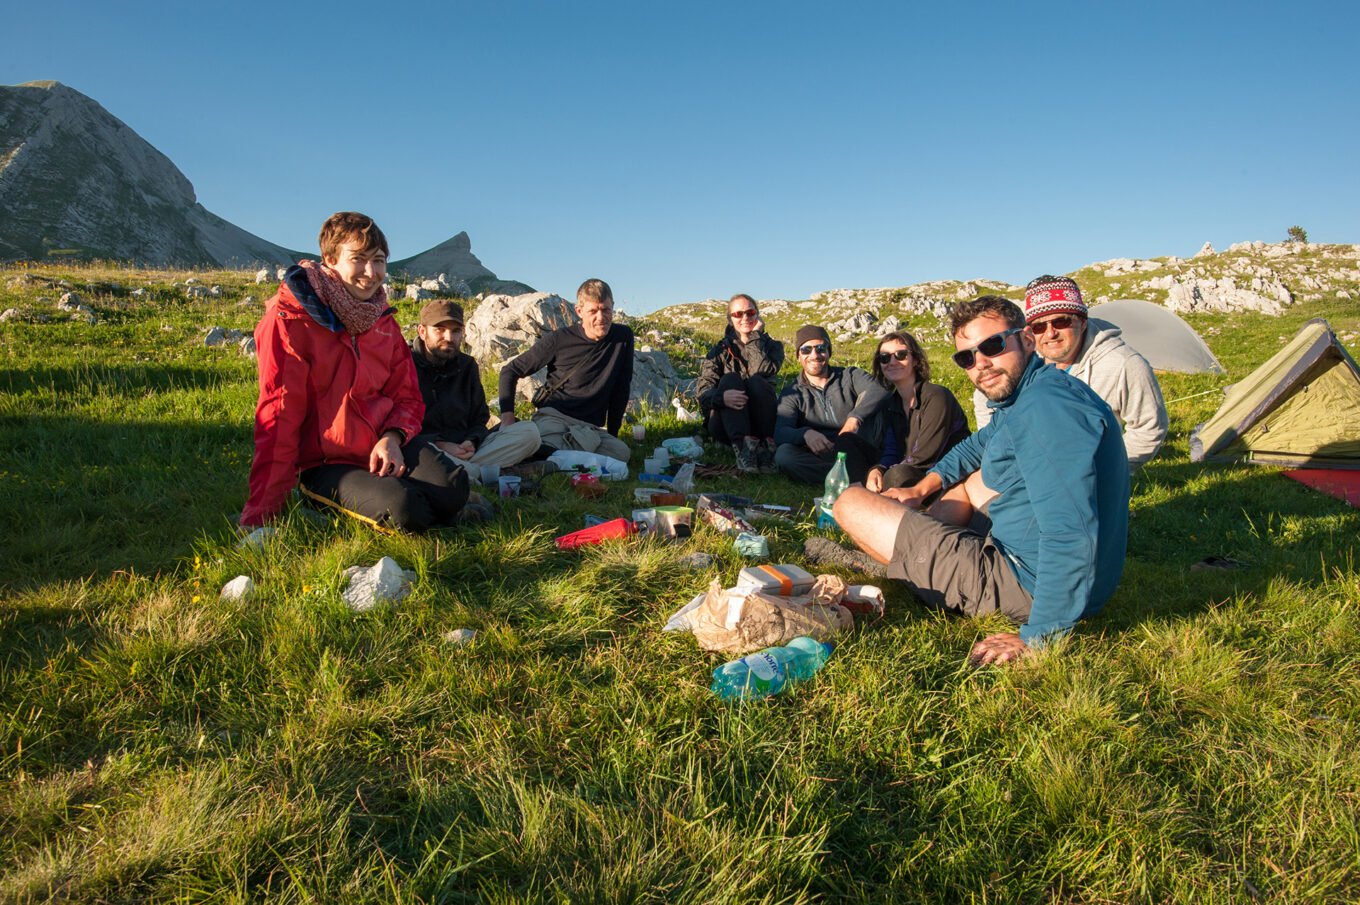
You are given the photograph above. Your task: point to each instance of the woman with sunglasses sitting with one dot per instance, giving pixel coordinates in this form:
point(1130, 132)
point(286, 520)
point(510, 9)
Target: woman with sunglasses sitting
point(736, 386)
point(921, 420)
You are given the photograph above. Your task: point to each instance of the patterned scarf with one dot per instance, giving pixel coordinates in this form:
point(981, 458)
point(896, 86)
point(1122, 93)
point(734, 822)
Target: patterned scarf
point(357, 316)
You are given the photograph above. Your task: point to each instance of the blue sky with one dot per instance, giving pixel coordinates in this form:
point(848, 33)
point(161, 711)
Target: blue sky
point(687, 151)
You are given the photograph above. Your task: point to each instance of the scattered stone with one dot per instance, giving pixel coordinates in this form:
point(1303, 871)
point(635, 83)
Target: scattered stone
point(9, 314)
point(698, 560)
point(191, 281)
point(220, 336)
point(196, 292)
point(655, 380)
point(1205, 250)
point(280, 273)
point(215, 292)
point(71, 304)
point(239, 588)
point(381, 582)
point(262, 275)
point(248, 347)
point(460, 637)
point(1196, 295)
point(139, 293)
point(257, 539)
point(418, 293)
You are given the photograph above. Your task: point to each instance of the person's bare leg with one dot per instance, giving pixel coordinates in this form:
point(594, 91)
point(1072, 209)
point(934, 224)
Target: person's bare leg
point(870, 520)
point(957, 504)
point(953, 507)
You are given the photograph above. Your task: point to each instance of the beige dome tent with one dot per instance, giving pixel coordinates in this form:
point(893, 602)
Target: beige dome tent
point(1301, 408)
point(1159, 335)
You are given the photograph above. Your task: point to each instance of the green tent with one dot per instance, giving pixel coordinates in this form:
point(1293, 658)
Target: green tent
point(1301, 409)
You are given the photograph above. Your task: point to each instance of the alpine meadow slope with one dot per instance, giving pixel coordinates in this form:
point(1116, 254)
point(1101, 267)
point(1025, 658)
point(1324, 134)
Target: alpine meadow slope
point(1198, 741)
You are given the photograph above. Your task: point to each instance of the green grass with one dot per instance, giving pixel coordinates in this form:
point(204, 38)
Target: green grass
point(1196, 742)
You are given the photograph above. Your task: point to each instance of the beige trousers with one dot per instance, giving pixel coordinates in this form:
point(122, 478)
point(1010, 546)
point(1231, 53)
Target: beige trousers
point(565, 432)
point(507, 445)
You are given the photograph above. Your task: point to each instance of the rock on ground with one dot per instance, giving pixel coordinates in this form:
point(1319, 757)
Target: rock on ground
point(379, 583)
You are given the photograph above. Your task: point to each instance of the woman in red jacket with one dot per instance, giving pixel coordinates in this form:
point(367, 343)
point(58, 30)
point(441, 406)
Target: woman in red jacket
point(339, 398)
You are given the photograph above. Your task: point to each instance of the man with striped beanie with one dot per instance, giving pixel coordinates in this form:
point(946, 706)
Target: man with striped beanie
point(1092, 351)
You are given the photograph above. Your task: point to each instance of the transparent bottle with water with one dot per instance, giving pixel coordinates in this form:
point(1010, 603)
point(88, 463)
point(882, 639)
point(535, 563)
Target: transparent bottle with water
point(837, 479)
point(770, 671)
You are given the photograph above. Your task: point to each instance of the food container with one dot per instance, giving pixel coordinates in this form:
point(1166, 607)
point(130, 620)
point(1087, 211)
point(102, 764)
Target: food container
point(783, 580)
point(674, 521)
point(509, 486)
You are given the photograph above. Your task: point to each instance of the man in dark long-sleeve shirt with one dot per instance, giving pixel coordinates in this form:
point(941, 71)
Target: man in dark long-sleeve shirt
point(590, 373)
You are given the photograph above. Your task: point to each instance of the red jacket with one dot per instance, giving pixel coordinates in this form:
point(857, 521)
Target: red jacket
point(325, 396)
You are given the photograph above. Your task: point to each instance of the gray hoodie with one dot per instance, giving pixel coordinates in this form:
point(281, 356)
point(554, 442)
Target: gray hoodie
point(1121, 377)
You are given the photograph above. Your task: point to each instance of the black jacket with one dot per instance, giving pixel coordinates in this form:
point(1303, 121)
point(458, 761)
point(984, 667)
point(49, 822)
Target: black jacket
point(849, 391)
point(761, 357)
point(936, 424)
point(455, 403)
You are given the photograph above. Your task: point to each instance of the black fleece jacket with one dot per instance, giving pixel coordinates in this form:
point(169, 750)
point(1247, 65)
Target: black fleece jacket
point(455, 403)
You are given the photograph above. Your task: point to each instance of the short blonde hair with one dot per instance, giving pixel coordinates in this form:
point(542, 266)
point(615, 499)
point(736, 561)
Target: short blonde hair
point(594, 290)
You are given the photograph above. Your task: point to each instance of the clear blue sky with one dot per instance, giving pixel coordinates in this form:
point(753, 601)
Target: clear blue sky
point(687, 151)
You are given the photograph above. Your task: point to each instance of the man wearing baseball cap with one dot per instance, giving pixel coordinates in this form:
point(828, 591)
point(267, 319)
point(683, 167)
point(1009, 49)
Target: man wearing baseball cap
point(822, 412)
point(456, 413)
point(1092, 351)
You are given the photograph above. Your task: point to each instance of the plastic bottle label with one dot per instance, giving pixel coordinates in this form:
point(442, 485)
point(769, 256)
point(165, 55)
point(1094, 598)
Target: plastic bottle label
point(763, 666)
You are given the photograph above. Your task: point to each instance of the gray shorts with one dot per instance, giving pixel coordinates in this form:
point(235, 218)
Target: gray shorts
point(956, 569)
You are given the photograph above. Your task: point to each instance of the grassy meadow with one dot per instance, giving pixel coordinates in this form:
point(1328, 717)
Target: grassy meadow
point(1197, 742)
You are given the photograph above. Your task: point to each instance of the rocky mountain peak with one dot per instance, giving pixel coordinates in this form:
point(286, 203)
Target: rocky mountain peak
point(76, 180)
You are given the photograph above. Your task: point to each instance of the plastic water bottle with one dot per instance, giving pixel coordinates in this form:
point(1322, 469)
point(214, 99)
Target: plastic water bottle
point(837, 479)
point(771, 670)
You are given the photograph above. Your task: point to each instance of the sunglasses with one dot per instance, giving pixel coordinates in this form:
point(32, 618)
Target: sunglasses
point(900, 355)
point(991, 346)
point(818, 349)
point(745, 313)
point(1061, 322)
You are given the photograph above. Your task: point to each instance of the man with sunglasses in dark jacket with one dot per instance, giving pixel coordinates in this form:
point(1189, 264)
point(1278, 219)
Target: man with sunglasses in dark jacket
point(1049, 472)
point(822, 413)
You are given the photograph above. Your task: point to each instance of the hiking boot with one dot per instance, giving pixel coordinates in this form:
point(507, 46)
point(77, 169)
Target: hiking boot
point(475, 511)
point(827, 552)
point(765, 456)
point(746, 456)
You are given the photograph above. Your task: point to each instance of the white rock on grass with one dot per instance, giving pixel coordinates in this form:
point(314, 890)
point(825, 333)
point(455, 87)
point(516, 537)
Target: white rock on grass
point(256, 539)
point(239, 588)
point(9, 314)
point(262, 275)
point(460, 637)
point(369, 586)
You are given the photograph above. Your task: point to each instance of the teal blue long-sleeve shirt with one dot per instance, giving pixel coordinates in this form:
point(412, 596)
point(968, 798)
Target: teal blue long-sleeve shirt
point(1054, 453)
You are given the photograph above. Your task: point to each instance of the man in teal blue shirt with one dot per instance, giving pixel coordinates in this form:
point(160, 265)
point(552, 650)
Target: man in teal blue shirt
point(1049, 472)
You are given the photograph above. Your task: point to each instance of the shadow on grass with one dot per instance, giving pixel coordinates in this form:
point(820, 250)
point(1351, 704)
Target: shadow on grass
point(84, 498)
point(106, 378)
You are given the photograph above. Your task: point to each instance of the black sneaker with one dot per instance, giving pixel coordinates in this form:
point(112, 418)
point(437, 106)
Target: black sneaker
point(827, 552)
point(475, 511)
point(746, 457)
point(765, 456)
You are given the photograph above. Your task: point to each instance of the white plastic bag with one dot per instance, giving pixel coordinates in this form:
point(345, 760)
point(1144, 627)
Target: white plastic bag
point(608, 468)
